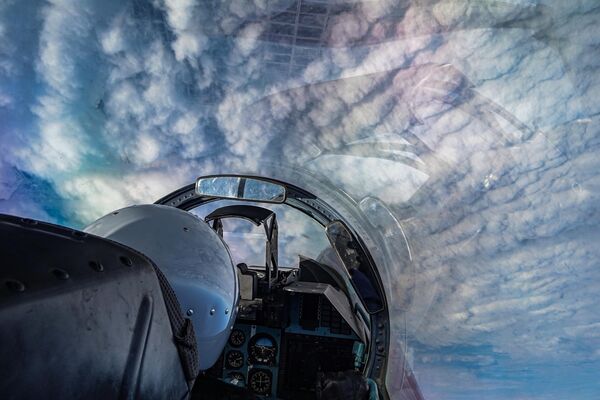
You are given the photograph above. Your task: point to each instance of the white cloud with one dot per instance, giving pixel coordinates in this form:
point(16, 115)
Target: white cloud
point(248, 40)
point(5, 100)
point(186, 124)
point(95, 194)
point(182, 16)
point(112, 40)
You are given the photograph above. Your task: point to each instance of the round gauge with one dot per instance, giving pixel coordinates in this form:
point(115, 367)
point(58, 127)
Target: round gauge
point(237, 338)
point(260, 381)
point(262, 349)
point(236, 378)
point(234, 359)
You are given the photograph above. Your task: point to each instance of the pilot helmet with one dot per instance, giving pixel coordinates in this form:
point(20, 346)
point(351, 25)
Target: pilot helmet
point(195, 261)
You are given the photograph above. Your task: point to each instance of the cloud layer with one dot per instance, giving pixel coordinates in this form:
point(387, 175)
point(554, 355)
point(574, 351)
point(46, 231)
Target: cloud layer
point(466, 132)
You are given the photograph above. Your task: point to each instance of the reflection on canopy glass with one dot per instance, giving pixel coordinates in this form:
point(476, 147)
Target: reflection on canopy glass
point(242, 188)
point(218, 187)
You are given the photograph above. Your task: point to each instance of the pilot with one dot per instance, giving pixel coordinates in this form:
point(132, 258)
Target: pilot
point(365, 288)
point(361, 282)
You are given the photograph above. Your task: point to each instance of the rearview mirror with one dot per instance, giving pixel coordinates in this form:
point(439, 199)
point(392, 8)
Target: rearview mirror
point(240, 188)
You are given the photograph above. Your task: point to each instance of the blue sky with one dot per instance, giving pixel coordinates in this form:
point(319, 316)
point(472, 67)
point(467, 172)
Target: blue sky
point(467, 132)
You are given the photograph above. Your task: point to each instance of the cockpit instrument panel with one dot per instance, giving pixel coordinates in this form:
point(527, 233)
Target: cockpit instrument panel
point(260, 381)
point(251, 359)
point(236, 378)
point(237, 338)
point(262, 350)
point(234, 359)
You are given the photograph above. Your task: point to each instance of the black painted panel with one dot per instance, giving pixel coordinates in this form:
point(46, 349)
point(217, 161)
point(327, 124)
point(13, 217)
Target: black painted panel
point(81, 317)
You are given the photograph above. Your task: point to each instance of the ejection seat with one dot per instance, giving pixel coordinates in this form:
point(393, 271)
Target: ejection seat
point(88, 318)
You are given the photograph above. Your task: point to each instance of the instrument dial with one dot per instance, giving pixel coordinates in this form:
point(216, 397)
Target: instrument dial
point(234, 359)
point(237, 338)
point(236, 378)
point(262, 350)
point(260, 381)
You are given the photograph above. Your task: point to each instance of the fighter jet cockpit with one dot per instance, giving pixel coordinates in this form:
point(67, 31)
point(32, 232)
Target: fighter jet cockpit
point(297, 321)
point(235, 287)
point(303, 326)
point(301, 304)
